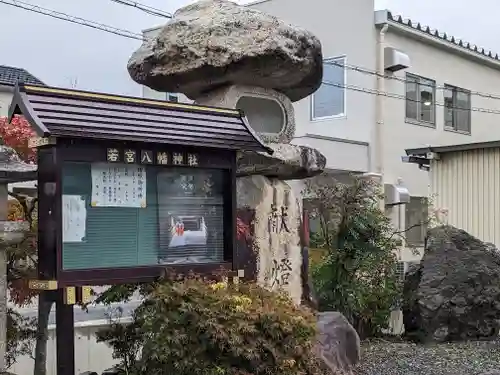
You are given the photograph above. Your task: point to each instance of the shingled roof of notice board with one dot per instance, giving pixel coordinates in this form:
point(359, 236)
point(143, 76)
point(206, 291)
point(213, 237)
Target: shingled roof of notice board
point(57, 112)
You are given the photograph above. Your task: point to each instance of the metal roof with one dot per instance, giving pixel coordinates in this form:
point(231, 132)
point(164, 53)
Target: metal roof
point(384, 16)
point(10, 76)
point(422, 151)
point(57, 112)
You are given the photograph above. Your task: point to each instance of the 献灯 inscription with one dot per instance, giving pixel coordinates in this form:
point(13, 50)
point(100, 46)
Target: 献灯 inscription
point(278, 219)
point(280, 272)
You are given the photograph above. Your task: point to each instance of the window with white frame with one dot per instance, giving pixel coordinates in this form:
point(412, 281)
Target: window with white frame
point(330, 99)
point(457, 109)
point(416, 218)
point(420, 99)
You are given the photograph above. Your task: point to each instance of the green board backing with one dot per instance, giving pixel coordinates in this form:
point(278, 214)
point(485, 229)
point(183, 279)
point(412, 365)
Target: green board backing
point(115, 236)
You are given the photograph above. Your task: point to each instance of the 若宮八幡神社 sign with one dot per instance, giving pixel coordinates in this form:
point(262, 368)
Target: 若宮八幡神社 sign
point(127, 186)
point(129, 156)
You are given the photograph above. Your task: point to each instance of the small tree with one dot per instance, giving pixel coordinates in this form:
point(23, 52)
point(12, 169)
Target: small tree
point(199, 327)
point(16, 134)
point(21, 333)
point(357, 276)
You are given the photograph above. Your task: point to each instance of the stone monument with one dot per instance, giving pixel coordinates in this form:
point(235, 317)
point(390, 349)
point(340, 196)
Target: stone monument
point(221, 54)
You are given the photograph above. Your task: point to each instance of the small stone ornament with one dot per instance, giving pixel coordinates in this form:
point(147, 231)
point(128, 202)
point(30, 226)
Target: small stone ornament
point(13, 169)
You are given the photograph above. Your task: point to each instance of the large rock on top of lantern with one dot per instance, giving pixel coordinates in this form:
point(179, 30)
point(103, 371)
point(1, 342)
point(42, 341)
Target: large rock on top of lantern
point(213, 43)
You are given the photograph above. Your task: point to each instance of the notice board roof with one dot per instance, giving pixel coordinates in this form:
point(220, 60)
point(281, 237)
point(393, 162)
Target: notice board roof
point(58, 112)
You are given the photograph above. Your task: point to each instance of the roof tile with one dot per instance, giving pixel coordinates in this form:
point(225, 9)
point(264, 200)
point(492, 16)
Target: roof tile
point(10, 76)
point(443, 36)
point(63, 113)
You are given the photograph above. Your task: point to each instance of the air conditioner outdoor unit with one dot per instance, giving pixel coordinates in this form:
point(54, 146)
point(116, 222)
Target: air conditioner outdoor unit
point(395, 60)
point(396, 194)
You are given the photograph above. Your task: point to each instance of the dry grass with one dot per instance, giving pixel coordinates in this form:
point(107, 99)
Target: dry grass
point(391, 358)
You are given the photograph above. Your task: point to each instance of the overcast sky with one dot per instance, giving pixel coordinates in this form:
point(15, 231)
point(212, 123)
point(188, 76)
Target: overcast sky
point(62, 54)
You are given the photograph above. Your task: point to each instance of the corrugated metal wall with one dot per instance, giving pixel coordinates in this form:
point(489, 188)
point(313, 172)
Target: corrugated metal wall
point(468, 185)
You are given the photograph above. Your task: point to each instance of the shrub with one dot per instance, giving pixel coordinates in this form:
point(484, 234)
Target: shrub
point(198, 327)
point(357, 276)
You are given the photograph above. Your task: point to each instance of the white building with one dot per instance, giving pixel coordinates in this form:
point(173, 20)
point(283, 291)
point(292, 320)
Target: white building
point(398, 85)
point(336, 121)
point(446, 96)
point(433, 89)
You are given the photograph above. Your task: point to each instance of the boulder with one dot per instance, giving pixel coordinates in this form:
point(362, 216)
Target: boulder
point(288, 162)
point(454, 293)
point(213, 43)
point(338, 342)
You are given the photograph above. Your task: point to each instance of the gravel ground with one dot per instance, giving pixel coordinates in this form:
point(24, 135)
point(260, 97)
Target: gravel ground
point(398, 358)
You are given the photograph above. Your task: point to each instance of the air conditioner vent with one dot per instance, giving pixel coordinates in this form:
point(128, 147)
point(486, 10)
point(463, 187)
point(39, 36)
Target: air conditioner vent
point(395, 60)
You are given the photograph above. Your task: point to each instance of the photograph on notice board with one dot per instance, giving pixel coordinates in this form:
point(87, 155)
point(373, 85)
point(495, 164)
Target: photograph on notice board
point(190, 210)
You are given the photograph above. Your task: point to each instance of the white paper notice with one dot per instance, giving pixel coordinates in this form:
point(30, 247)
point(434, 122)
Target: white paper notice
point(118, 185)
point(74, 215)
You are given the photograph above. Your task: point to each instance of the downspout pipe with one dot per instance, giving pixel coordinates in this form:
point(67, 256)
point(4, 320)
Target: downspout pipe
point(379, 105)
point(379, 113)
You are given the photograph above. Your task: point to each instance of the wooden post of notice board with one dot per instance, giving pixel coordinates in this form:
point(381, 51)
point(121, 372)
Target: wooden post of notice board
point(65, 334)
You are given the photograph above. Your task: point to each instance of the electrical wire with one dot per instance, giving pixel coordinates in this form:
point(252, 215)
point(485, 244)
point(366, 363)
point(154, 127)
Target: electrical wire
point(145, 8)
point(158, 12)
point(73, 19)
point(132, 35)
point(405, 80)
point(403, 97)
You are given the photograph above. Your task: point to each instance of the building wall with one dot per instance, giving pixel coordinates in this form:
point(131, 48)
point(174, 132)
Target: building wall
point(350, 33)
point(90, 355)
point(445, 68)
point(352, 132)
point(5, 99)
point(467, 184)
point(348, 29)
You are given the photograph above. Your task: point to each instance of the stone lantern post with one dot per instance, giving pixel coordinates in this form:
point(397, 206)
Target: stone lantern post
point(12, 169)
point(260, 65)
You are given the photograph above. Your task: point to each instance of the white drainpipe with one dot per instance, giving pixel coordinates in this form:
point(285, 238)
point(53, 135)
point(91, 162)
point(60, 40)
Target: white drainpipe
point(379, 105)
point(379, 112)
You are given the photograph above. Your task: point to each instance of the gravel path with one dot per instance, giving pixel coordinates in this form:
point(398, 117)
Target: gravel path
point(402, 358)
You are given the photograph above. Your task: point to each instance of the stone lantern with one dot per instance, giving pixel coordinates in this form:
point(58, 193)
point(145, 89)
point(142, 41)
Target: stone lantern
point(221, 54)
point(12, 169)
